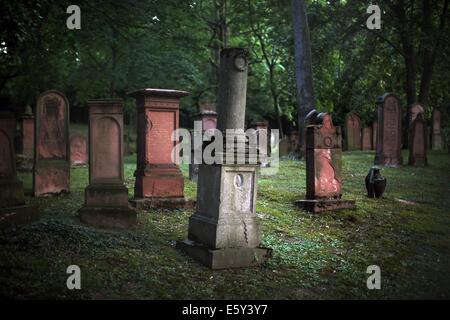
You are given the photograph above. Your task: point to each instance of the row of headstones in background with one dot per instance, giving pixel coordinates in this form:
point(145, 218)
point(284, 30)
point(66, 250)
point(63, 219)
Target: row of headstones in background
point(388, 152)
point(13, 209)
point(323, 165)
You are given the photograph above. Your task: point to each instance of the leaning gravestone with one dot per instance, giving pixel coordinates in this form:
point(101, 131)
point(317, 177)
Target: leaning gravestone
point(418, 142)
point(78, 150)
point(159, 181)
point(437, 135)
point(323, 166)
point(224, 232)
point(106, 196)
point(51, 173)
point(12, 200)
point(353, 131)
point(389, 152)
point(367, 138)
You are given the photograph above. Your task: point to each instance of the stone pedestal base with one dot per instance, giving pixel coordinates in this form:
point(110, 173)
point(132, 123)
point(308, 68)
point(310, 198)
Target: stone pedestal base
point(108, 217)
point(225, 258)
point(159, 183)
point(51, 179)
point(316, 206)
point(167, 203)
point(18, 215)
point(106, 205)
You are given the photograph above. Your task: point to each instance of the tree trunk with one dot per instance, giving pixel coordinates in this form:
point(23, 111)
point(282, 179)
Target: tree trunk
point(303, 66)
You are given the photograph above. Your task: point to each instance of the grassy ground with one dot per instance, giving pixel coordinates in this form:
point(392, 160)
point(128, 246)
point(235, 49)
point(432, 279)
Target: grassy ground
point(407, 234)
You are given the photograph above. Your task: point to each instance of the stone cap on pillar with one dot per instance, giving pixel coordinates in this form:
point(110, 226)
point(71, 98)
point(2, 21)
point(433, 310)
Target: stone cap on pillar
point(168, 93)
point(110, 105)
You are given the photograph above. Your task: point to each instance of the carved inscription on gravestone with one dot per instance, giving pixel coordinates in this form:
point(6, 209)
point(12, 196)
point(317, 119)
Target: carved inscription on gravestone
point(107, 153)
point(391, 130)
point(52, 139)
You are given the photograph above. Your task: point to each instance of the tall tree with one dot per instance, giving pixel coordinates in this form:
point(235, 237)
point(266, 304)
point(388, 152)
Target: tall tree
point(303, 66)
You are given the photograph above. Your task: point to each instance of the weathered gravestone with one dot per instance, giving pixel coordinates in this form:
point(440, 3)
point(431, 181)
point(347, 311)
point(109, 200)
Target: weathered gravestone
point(78, 149)
point(374, 134)
point(159, 181)
point(106, 196)
point(224, 231)
point(26, 153)
point(209, 122)
point(418, 142)
point(414, 111)
point(262, 141)
point(284, 147)
point(323, 166)
point(51, 174)
point(353, 131)
point(12, 200)
point(388, 152)
point(367, 138)
point(436, 138)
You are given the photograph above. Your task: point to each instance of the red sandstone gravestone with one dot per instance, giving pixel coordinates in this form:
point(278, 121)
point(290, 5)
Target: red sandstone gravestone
point(436, 138)
point(323, 167)
point(367, 138)
point(51, 173)
point(353, 131)
point(418, 142)
point(78, 150)
point(159, 181)
point(374, 134)
point(106, 197)
point(389, 139)
point(12, 201)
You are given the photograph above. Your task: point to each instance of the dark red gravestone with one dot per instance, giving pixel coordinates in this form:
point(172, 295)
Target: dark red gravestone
point(159, 181)
point(418, 142)
point(353, 131)
point(388, 152)
point(52, 149)
point(415, 110)
point(106, 197)
point(367, 138)
point(26, 148)
point(374, 134)
point(78, 150)
point(323, 168)
point(436, 138)
point(12, 200)
point(27, 134)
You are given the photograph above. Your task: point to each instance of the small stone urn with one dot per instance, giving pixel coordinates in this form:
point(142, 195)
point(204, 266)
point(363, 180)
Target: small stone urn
point(375, 183)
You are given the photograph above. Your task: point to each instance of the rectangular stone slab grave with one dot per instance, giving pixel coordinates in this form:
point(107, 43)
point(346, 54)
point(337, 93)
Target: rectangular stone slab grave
point(224, 232)
point(367, 138)
point(418, 145)
point(51, 174)
point(106, 196)
point(389, 140)
point(159, 181)
point(209, 122)
point(13, 210)
point(323, 168)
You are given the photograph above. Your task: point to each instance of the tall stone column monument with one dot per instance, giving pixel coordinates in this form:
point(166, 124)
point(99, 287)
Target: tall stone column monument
point(159, 181)
point(224, 232)
point(389, 140)
point(106, 196)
